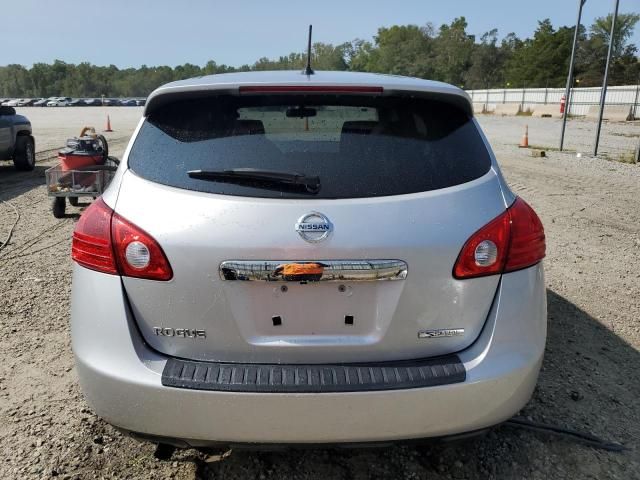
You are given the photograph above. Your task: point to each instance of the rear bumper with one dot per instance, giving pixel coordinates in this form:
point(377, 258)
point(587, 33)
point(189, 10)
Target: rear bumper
point(121, 379)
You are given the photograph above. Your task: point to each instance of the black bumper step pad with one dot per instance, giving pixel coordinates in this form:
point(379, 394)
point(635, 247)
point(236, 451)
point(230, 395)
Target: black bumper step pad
point(275, 378)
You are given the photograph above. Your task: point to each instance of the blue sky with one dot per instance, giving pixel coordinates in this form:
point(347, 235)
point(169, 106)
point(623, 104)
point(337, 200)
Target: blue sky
point(164, 32)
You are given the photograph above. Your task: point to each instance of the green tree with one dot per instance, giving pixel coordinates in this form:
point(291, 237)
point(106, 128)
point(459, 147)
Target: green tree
point(487, 62)
point(453, 47)
point(403, 50)
point(625, 25)
point(450, 55)
point(592, 52)
point(14, 81)
point(542, 60)
point(358, 55)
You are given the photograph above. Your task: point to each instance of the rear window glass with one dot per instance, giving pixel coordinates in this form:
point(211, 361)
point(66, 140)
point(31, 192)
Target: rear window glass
point(354, 146)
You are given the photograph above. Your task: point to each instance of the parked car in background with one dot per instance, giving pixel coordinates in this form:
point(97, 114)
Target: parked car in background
point(12, 103)
point(141, 102)
point(128, 102)
point(92, 102)
point(59, 102)
point(77, 102)
point(42, 102)
point(16, 140)
point(27, 102)
point(110, 102)
point(287, 258)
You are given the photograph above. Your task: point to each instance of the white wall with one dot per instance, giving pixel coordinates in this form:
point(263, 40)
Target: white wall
point(581, 99)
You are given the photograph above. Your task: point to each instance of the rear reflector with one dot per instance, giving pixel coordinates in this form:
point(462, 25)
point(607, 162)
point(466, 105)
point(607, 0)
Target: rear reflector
point(106, 242)
point(249, 89)
point(512, 241)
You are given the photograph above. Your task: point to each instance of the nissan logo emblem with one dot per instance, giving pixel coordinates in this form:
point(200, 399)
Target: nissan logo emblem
point(313, 227)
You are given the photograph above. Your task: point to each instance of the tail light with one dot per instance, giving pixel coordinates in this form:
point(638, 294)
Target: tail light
point(91, 245)
point(137, 253)
point(512, 241)
point(106, 242)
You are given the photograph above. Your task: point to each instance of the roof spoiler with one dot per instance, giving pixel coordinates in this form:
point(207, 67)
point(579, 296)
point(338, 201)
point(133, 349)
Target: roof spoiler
point(165, 96)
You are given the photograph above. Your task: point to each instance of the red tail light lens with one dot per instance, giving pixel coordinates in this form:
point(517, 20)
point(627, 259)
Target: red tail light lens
point(91, 243)
point(137, 253)
point(106, 242)
point(511, 241)
point(528, 244)
point(497, 232)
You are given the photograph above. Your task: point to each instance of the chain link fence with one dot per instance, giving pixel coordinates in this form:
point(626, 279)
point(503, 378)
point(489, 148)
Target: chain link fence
point(620, 137)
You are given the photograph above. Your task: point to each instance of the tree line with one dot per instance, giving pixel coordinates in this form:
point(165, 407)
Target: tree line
point(448, 53)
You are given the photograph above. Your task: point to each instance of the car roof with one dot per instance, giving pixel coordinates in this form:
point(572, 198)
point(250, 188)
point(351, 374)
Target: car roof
point(230, 82)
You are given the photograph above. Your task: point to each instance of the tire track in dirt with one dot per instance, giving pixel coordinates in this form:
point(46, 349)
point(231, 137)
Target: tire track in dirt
point(581, 194)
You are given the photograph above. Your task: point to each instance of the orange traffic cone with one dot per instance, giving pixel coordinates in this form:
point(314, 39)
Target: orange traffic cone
point(525, 138)
point(108, 129)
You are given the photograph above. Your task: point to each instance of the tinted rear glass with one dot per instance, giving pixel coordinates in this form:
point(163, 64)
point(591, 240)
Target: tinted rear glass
point(358, 146)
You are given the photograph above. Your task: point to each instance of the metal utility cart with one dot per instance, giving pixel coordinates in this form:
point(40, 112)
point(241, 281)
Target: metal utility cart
point(85, 170)
point(88, 181)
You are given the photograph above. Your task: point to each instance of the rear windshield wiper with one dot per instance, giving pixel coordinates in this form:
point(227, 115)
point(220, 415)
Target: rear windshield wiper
point(260, 178)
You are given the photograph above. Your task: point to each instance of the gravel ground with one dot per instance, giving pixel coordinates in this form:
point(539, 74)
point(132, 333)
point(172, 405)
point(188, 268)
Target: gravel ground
point(52, 125)
point(618, 139)
point(589, 380)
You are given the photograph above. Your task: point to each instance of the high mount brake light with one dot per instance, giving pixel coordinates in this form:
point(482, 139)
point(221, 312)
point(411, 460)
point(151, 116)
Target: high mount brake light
point(106, 242)
point(512, 241)
point(249, 89)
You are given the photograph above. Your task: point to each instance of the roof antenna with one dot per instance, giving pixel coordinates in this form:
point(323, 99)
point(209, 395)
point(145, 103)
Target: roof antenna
point(308, 70)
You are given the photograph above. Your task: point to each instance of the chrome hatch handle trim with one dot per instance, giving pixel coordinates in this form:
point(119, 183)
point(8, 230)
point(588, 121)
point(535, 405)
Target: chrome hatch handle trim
point(312, 270)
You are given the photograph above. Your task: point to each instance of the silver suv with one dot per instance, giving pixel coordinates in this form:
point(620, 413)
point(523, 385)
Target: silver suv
point(286, 258)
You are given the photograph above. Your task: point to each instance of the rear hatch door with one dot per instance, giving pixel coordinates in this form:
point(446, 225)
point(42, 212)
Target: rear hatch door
point(265, 271)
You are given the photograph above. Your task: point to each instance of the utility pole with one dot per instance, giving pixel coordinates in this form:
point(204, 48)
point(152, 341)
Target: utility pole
point(486, 98)
point(570, 76)
point(504, 93)
point(546, 91)
point(603, 92)
point(635, 101)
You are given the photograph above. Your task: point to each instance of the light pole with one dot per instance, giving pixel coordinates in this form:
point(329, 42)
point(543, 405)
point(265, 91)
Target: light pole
point(573, 87)
point(603, 92)
point(570, 75)
point(546, 91)
point(635, 101)
point(486, 97)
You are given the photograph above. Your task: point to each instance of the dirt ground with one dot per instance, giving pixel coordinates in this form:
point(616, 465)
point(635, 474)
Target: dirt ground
point(589, 381)
point(53, 125)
